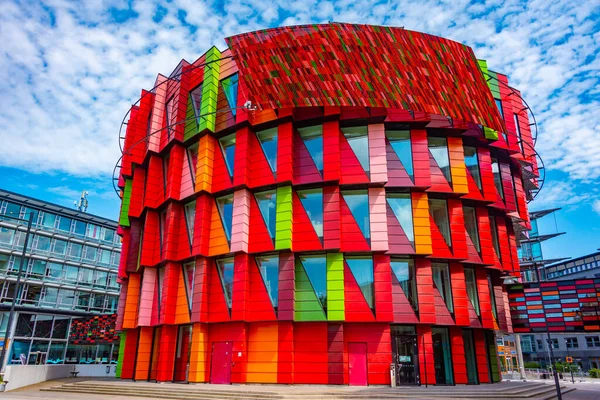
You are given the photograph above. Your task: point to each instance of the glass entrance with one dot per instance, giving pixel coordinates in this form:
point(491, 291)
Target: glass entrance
point(405, 355)
point(182, 354)
point(470, 356)
point(154, 355)
point(442, 357)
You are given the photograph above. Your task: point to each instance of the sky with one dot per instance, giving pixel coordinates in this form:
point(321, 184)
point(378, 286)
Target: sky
point(69, 71)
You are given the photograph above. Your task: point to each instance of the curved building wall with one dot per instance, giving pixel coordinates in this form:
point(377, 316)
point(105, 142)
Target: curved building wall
point(311, 244)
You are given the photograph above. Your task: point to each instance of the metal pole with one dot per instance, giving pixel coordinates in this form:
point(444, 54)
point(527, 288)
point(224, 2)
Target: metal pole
point(11, 313)
point(425, 362)
point(570, 364)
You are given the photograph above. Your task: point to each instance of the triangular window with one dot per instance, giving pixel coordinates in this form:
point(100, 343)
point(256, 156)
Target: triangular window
point(358, 139)
point(225, 269)
point(225, 205)
point(472, 164)
point(161, 281)
point(189, 273)
point(228, 148)
point(193, 161)
point(267, 203)
point(471, 282)
point(438, 209)
point(401, 206)
point(312, 136)
point(269, 270)
point(196, 96)
point(438, 147)
point(312, 201)
point(441, 280)
point(268, 142)
point(404, 271)
point(497, 177)
point(471, 225)
point(230, 87)
point(400, 142)
point(171, 109)
point(315, 267)
point(358, 202)
point(362, 269)
point(190, 218)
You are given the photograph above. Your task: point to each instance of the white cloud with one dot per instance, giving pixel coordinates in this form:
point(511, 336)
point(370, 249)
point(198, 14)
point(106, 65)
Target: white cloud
point(596, 206)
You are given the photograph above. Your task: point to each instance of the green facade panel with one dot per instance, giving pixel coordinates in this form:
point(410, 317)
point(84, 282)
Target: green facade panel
point(307, 306)
point(283, 221)
point(124, 217)
point(210, 90)
point(335, 287)
point(123, 337)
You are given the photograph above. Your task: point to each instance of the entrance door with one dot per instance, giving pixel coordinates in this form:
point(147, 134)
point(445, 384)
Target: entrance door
point(357, 360)
point(470, 356)
point(442, 357)
point(182, 355)
point(406, 359)
point(220, 371)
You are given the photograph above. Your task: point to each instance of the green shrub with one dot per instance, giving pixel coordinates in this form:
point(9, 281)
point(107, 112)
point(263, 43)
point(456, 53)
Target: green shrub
point(532, 365)
point(594, 373)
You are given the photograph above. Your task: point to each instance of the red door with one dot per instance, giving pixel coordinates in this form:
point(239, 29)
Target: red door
point(182, 354)
point(220, 371)
point(357, 360)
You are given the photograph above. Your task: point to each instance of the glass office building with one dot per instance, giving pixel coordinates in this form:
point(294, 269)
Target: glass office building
point(68, 278)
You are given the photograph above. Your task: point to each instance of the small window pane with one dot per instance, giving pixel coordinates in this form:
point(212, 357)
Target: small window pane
point(75, 250)
point(228, 148)
point(316, 270)
point(90, 253)
point(362, 270)
point(13, 210)
point(225, 267)
point(268, 142)
point(61, 326)
point(404, 271)
point(269, 270)
point(25, 324)
point(190, 218)
point(43, 326)
point(312, 201)
point(48, 220)
point(472, 289)
point(7, 235)
point(267, 203)
point(438, 147)
point(43, 243)
point(497, 177)
point(472, 163)
point(64, 224)
point(56, 353)
point(60, 246)
point(400, 142)
point(358, 139)
point(79, 228)
point(441, 279)
point(225, 205)
point(358, 202)
point(439, 211)
point(471, 226)
point(312, 136)
point(401, 206)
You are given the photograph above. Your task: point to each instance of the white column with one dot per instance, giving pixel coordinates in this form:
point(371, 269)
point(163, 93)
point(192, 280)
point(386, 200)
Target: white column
point(520, 356)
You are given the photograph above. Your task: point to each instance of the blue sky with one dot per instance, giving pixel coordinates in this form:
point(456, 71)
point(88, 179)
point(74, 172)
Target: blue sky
point(70, 70)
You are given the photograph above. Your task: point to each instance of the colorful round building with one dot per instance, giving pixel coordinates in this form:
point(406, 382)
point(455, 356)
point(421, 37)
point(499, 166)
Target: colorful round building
point(320, 205)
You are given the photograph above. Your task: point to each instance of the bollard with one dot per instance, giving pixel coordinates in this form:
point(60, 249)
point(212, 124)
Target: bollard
point(392, 375)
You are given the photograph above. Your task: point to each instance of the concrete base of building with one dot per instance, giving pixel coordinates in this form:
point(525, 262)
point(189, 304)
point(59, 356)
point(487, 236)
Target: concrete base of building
point(19, 376)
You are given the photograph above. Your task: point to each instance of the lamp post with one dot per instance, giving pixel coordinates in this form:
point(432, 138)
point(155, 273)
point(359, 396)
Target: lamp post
point(11, 313)
point(570, 364)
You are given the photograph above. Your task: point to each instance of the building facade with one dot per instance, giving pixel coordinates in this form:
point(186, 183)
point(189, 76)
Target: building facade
point(69, 280)
point(317, 203)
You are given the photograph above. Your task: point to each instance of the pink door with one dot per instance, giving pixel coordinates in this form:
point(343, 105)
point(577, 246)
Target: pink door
point(220, 371)
point(357, 360)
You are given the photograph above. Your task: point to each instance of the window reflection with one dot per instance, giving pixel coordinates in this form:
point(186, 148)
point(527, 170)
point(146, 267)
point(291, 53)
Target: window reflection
point(471, 283)
point(438, 147)
point(441, 279)
point(362, 270)
point(312, 136)
point(269, 270)
point(472, 164)
point(225, 267)
point(471, 226)
point(401, 205)
point(404, 271)
point(400, 142)
point(358, 202)
point(358, 139)
point(438, 208)
point(228, 148)
point(225, 205)
point(267, 203)
point(312, 201)
point(268, 142)
point(315, 266)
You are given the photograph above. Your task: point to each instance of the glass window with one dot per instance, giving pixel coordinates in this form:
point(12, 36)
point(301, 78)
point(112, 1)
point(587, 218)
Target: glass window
point(225, 205)
point(87, 354)
point(43, 326)
point(171, 111)
point(471, 282)
point(42, 243)
point(358, 202)
point(56, 353)
point(20, 350)
point(83, 301)
point(48, 220)
point(497, 177)
point(192, 152)
point(438, 208)
point(25, 324)
point(442, 356)
point(189, 274)
point(99, 301)
point(112, 281)
point(225, 267)
point(64, 224)
point(101, 277)
point(471, 225)
point(228, 148)
point(494, 229)
point(86, 276)
point(49, 297)
point(79, 228)
point(72, 355)
point(472, 164)
point(37, 268)
point(71, 273)
point(492, 296)
point(7, 235)
point(111, 304)
point(312, 136)
point(438, 147)
point(31, 295)
point(441, 280)
point(518, 130)
point(92, 231)
point(27, 211)
point(104, 256)
point(13, 210)
point(196, 96)
point(312, 201)
point(104, 353)
point(404, 271)
point(362, 270)
point(592, 341)
point(75, 250)
point(4, 260)
point(315, 266)
point(499, 105)
point(267, 203)
point(190, 218)
point(268, 142)
point(358, 139)
point(108, 235)
point(60, 246)
point(90, 253)
point(115, 257)
point(400, 142)
point(165, 171)
point(571, 343)
point(401, 205)
point(61, 327)
point(269, 270)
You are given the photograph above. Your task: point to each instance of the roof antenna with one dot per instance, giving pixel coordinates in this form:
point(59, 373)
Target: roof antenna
point(82, 205)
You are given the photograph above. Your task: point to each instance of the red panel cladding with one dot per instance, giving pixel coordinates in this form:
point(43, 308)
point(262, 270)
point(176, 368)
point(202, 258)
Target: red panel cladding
point(136, 204)
point(459, 362)
point(221, 179)
point(397, 175)
point(169, 293)
point(285, 151)
point(509, 120)
point(459, 294)
point(331, 151)
point(485, 305)
point(353, 113)
point(509, 325)
point(241, 175)
point(200, 291)
point(155, 318)
point(241, 288)
point(521, 201)
point(285, 353)
point(383, 288)
point(304, 236)
point(473, 317)
point(509, 192)
point(188, 176)
point(352, 172)
point(500, 310)
point(138, 151)
point(352, 237)
point(425, 291)
point(166, 353)
point(285, 303)
point(259, 303)
point(311, 361)
point(438, 243)
point(121, 307)
point(420, 153)
point(474, 192)
point(403, 312)
point(442, 314)
point(201, 238)
point(335, 354)
point(439, 184)
point(504, 244)
point(124, 254)
point(218, 311)
point(260, 238)
point(171, 231)
point(398, 242)
point(157, 116)
point(473, 254)
point(183, 247)
point(355, 305)
point(130, 139)
point(487, 176)
point(305, 169)
point(237, 333)
point(260, 170)
point(331, 218)
point(488, 253)
point(151, 240)
point(135, 233)
point(155, 185)
point(426, 362)
point(513, 249)
point(129, 352)
point(481, 356)
point(379, 349)
point(457, 229)
point(176, 158)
